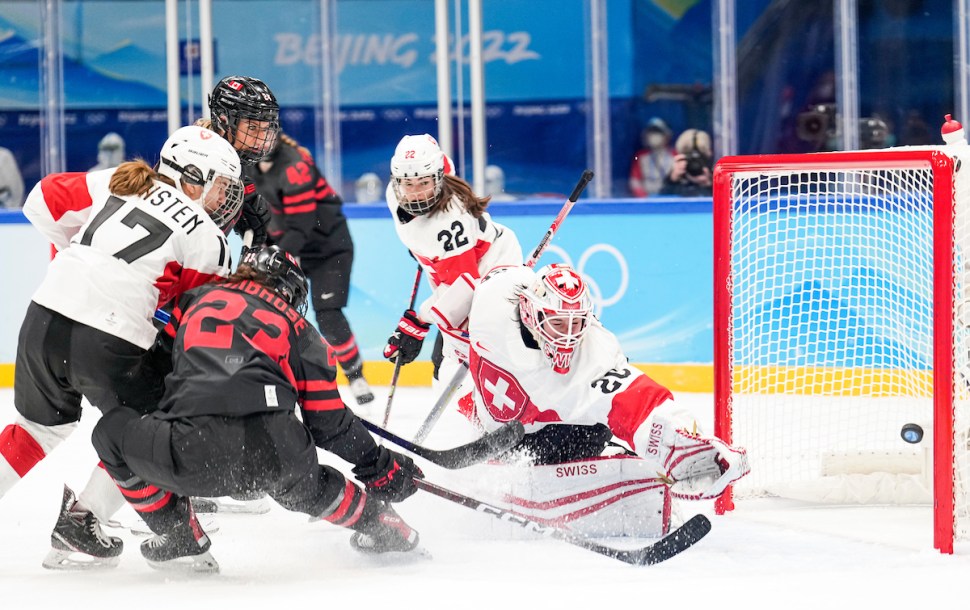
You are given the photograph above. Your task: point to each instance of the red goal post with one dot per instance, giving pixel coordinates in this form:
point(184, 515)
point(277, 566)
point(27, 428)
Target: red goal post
point(839, 280)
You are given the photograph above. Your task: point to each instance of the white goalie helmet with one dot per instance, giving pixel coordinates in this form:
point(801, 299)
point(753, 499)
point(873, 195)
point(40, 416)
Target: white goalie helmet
point(417, 173)
point(556, 308)
point(203, 158)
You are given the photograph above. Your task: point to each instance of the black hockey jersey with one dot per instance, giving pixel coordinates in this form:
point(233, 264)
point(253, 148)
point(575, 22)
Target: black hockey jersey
point(238, 348)
point(308, 219)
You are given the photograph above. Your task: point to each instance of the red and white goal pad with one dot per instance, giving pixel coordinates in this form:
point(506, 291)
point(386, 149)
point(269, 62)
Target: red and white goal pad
point(841, 292)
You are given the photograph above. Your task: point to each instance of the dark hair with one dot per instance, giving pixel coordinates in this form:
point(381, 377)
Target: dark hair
point(453, 186)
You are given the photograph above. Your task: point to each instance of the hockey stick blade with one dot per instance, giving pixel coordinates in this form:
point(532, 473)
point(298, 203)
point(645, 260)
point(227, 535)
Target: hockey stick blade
point(673, 544)
point(479, 450)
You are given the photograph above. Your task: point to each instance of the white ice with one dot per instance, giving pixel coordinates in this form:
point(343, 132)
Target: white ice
point(764, 556)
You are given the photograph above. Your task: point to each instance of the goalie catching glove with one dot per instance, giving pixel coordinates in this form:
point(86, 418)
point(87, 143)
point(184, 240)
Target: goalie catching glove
point(389, 476)
point(405, 343)
point(697, 467)
point(254, 215)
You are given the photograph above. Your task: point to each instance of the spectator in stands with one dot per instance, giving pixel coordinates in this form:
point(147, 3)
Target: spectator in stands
point(653, 162)
point(11, 181)
point(369, 188)
point(495, 184)
point(111, 152)
point(691, 174)
point(916, 132)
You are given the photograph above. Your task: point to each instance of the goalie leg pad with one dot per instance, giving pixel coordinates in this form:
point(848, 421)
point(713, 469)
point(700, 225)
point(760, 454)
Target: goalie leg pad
point(609, 496)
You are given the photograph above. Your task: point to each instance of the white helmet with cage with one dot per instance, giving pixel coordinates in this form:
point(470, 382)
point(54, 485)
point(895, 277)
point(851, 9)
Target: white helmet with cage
point(197, 156)
point(417, 173)
point(556, 309)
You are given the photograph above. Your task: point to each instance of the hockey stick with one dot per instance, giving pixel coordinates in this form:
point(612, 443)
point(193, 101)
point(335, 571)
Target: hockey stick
point(459, 376)
point(397, 364)
point(443, 401)
point(479, 450)
point(674, 543)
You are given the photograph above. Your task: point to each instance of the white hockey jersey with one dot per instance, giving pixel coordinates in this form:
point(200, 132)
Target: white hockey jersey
point(514, 381)
point(450, 243)
point(120, 258)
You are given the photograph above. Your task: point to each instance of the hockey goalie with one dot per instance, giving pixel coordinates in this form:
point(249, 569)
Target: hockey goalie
point(606, 450)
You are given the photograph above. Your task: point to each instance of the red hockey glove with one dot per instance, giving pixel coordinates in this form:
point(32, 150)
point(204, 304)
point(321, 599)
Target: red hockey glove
point(389, 476)
point(406, 341)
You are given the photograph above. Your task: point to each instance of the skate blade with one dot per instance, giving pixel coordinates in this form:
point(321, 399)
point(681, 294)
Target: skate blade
point(195, 564)
point(75, 560)
point(244, 507)
point(397, 558)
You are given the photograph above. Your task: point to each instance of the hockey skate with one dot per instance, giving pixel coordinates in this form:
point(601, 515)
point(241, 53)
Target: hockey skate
point(383, 533)
point(361, 390)
point(185, 548)
point(78, 542)
point(204, 505)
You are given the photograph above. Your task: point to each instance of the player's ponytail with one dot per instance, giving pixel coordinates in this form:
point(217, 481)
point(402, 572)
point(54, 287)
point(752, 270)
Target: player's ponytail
point(134, 178)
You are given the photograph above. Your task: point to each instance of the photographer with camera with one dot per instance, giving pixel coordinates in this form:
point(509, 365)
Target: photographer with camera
point(690, 175)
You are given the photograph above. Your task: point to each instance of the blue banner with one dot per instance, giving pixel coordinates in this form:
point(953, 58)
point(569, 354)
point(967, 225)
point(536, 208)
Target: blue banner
point(384, 52)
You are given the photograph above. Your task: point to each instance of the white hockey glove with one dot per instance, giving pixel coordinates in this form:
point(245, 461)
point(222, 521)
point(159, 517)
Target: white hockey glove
point(698, 467)
point(702, 468)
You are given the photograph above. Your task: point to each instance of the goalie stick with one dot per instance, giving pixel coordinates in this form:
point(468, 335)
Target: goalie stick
point(459, 376)
point(479, 450)
point(670, 545)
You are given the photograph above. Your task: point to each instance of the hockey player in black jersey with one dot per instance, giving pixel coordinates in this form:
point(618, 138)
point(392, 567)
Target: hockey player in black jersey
point(244, 358)
point(308, 222)
point(244, 111)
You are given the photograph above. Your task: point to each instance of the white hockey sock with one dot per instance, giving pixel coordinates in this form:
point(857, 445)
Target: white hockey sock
point(23, 444)
point(101, 496)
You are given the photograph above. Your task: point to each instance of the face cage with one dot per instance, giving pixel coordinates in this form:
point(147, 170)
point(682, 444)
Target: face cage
point(265, 144)
point(551, 336)
point(421, 206)
point(295, 290)
point(228, 210)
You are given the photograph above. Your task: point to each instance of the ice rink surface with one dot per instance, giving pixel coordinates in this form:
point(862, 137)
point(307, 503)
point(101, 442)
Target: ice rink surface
point(763, 556)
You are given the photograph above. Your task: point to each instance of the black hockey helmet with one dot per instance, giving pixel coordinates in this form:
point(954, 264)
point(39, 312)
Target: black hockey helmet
point(237, 98)
point(281, 272)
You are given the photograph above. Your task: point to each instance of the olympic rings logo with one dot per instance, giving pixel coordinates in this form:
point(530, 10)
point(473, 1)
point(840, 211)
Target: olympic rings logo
point(596, 294)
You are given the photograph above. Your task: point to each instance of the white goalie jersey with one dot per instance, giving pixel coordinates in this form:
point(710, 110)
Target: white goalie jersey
point(120, 258)
point(514, 380)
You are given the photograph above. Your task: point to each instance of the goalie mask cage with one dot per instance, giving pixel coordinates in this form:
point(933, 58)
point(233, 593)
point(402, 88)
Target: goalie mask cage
point(839, 282)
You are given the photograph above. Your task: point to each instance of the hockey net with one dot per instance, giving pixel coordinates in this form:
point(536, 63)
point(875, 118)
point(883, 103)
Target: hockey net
point(840, 287)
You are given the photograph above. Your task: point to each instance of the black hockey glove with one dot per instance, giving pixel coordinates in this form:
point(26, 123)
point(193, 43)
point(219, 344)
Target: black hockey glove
point(389, 476)
point(254, 215)
point(406, 341)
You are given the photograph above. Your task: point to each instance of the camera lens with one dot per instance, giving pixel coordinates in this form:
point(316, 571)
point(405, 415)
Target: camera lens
point(695, 164)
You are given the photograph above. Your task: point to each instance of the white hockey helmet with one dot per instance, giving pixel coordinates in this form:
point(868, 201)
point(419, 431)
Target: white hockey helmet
point(417, 173)
point(556, 308)
point(203, 158)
